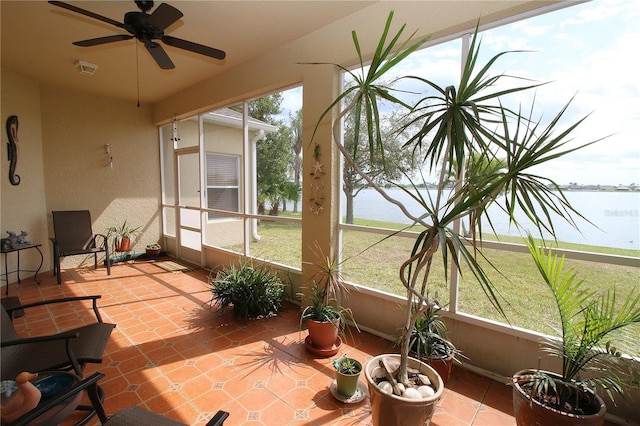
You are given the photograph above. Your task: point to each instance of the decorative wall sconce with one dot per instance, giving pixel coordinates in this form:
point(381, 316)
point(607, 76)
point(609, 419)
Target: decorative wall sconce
point(107, 149)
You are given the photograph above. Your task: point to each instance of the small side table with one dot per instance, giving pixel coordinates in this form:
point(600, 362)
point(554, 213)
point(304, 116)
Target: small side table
point(18, 248)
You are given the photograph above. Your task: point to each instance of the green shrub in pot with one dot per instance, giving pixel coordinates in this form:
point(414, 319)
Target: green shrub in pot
point(253, 290)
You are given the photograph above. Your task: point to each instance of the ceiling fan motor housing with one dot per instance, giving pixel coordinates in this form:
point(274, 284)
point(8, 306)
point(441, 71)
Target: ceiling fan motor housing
point(136, 24)
point(144, 6)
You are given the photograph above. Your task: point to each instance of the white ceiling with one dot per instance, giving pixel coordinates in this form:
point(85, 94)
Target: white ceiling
point(37, 37)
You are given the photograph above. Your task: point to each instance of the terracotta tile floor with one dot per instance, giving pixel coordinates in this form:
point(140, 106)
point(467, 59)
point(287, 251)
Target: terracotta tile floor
point(172, 354)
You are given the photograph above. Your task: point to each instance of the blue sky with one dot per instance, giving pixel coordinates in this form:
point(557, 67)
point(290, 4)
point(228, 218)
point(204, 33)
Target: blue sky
point(588, 50)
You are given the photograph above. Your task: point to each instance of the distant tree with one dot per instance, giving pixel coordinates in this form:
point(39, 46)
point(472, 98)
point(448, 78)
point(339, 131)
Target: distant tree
point(396, 164)
point(266, 108)
point(290, 192)
point(274, 154)
point(296, 132)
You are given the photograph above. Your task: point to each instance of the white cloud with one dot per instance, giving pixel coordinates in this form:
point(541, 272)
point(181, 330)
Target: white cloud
point(587, 51)
point(291, 102)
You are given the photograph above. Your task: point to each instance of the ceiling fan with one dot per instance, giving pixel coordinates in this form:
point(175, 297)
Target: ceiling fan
point(146, 27)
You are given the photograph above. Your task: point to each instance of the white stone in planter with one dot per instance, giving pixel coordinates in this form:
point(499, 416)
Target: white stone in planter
point(385, 387)
point(378, 373)
point(426, 391)
point(424, 379)
point(412, 393)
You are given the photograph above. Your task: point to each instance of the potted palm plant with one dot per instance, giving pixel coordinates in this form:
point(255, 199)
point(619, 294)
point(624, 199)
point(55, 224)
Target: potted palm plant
point(590, 360)
point(454, 124)
point(325, 317)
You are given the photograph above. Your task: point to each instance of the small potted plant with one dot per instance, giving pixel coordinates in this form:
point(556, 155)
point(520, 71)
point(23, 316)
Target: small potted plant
point(590, 360)
point(121, 236)
point(325, 318)
point(347, 375)
point(429, 342)
point(153, 251)
point(326, 322)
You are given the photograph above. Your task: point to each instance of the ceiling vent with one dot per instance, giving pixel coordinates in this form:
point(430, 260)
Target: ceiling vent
point(86, 68)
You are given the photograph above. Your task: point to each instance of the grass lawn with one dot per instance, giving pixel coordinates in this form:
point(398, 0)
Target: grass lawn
point(524, 297)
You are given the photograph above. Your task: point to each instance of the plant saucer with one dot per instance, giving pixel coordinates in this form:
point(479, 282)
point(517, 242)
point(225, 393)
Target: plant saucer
point(360, 393)
point(322, 352)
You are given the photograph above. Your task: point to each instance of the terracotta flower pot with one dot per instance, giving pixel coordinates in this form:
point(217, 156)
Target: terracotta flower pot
point(530, 412)
point(152, 253)
point(443, 366)
point(398, 411)
point(323, 334)
point(123, 244)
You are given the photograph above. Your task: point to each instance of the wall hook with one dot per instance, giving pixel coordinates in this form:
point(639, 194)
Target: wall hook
point(107, 149)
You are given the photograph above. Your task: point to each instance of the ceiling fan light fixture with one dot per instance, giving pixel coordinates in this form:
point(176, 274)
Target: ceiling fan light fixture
point(85, 67)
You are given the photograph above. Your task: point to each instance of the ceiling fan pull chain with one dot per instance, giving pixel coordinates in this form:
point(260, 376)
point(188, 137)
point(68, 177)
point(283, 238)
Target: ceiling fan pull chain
point(137, 75)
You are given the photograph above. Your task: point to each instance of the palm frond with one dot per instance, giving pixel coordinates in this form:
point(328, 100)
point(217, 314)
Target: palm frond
point(366, 89)
point(587, 320)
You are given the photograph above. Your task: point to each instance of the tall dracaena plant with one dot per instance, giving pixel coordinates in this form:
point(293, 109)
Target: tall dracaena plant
point(454, 124)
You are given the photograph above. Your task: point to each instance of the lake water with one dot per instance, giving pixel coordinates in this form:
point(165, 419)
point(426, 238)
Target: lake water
point(615, 215)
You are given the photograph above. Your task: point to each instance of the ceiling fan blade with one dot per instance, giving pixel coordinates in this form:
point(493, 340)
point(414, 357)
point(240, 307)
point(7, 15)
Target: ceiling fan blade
point(163, 16)
point(160, 56)
point(102, 40)
point(193, 47)
point(87, 13)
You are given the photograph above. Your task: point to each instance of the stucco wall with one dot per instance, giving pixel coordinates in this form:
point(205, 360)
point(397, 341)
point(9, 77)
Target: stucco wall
point(75, 130)
point(23, 206)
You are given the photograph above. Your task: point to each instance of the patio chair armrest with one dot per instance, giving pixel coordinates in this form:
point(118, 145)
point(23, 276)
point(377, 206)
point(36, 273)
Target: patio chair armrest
point(94, 300)
point(105, 239)
point(218, 419)
point(52, 402)
point(64, 346)
point(38, 339)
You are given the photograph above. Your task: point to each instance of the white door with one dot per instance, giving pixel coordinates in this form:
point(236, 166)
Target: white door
point(188, 217)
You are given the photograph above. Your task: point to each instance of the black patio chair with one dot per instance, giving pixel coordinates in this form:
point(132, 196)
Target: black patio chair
point(132, 416)
point(69, 350)
point(73, 236)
